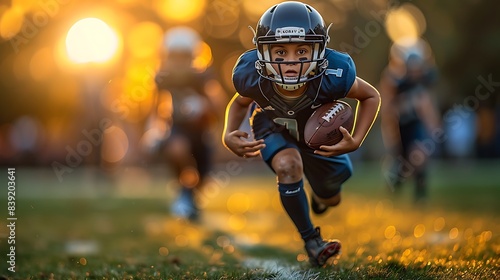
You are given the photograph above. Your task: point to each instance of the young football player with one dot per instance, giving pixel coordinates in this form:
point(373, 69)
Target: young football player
point(289, 74)
point(187, 105)
point(409, 115)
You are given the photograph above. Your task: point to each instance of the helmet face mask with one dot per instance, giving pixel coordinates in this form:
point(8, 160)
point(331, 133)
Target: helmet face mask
point(291, 22)
point(273, 71)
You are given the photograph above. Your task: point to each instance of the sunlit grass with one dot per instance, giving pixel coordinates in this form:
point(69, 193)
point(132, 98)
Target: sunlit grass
point(114, 236)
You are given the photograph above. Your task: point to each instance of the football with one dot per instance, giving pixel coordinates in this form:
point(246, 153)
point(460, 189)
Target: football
point(322, 127)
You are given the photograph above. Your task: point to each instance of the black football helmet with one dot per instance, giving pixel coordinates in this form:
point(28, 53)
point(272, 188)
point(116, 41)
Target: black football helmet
point(291, 22)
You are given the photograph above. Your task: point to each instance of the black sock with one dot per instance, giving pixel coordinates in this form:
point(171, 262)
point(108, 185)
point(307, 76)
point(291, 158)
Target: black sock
point(294, 201)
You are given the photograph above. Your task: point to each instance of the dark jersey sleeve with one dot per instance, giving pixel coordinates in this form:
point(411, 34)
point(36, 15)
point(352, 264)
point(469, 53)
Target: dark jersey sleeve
point(245, 77)
point(339, 76)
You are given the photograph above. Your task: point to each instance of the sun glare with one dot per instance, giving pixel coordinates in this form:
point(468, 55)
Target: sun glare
point(91, 40)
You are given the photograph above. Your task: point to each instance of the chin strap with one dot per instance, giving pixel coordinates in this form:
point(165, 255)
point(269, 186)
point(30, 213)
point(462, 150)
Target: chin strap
point(290, 87)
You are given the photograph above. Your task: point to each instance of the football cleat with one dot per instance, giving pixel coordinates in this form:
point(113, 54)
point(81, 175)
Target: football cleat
point(184, 206)
point(319, 250)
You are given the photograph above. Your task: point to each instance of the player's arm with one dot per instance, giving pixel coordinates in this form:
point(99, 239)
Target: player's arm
point(158, 122)
point(427, 112)
point(216, 95)
point(232, 137)
point(366, 113)
point(389, 115)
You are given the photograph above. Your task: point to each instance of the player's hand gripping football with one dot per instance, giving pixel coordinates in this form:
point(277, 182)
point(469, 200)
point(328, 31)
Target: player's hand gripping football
point(237, 142)
point(346, 145)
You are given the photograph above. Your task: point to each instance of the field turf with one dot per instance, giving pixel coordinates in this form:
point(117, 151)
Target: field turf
point(94, 226)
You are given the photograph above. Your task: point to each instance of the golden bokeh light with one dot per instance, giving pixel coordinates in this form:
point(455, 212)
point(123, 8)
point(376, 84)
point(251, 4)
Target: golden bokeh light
point(91, 40)
point(227, 68)
point(255, 8)
point(144, 39)
point(66, 92)
point(163, 251)
point(11, 22)
point(485, 236)
point(364, 238)
point(237, 222)
point(26, 5)
point(115, 144)
point(41, 65)
point(223, 241)
point(405, 22)
point(453, 234)
point(181, 240)
point(189, 177)
point(439, 224)
point(133, 95)
point(390, 232)
point(245, 36)
point(397, 239)
point(20, 65)
point(180, 11)
point(418, 17)
point(259, 201)
point(302, 257)
point(203, 58)
point(419, 230)
point(222, 18)
point(238, 203)
point(140, 73)
point(229, 249)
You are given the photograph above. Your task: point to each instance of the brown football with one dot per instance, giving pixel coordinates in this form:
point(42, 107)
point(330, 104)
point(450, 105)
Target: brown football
point(322, 127)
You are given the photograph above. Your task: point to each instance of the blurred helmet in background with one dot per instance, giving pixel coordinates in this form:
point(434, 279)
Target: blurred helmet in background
point(411, 58)
point(411, 52)
point(180, 47)
point(181, 39)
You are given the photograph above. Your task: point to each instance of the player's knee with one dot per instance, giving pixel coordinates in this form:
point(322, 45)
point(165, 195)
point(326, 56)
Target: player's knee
point(288, 168)
point(178, 148)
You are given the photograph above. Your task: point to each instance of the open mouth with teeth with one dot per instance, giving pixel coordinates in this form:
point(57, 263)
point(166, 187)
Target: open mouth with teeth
point(291, 73)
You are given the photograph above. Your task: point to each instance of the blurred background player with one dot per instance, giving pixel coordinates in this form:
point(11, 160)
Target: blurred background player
point(188, 102)
point(409, 114)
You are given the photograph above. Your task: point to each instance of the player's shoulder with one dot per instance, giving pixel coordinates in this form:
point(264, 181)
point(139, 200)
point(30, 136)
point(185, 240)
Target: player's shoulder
point(246, 62)
point(245, 77)
point(339, 75)
point(248, 57)
point(338, 59)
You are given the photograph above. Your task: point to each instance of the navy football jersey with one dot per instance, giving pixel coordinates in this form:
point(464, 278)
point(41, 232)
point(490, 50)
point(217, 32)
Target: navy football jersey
point(190, 103)
point(334, 84)
point(408, 93)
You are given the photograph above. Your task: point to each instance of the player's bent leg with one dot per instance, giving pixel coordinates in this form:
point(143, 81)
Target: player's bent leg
point(326, 176)
point(287, 165)
point(178, 152)
point(320, 205)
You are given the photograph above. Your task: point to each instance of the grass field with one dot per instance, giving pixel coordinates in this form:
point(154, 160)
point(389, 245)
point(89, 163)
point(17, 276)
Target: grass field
point(92, 227)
